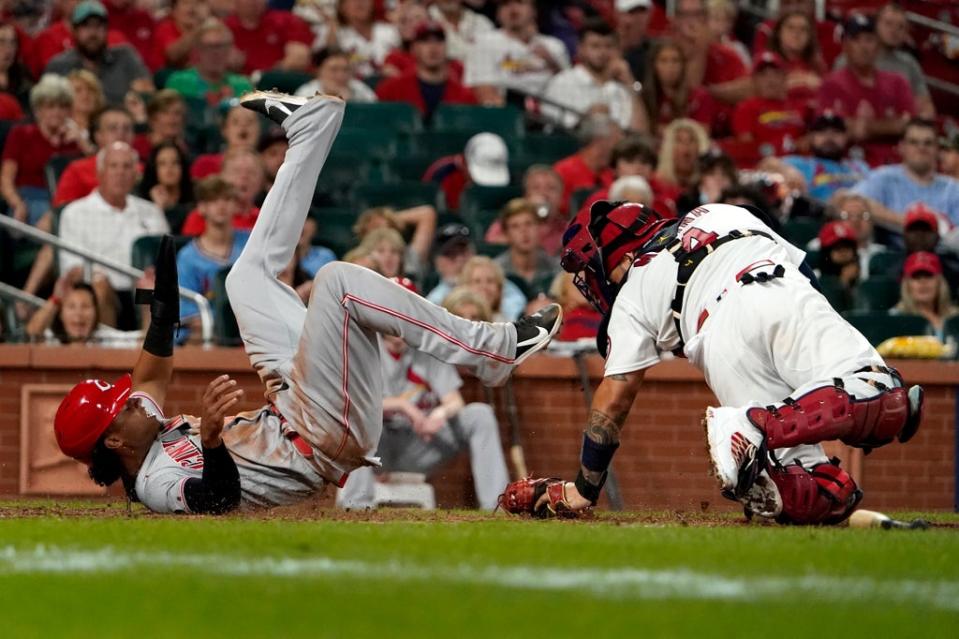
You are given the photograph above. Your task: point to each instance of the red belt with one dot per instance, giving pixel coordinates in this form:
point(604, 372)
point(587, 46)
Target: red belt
point(300, 444)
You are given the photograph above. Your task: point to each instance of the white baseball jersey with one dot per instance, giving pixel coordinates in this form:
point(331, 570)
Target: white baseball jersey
point(272, 471)
point(641, 326)
point(502, 61)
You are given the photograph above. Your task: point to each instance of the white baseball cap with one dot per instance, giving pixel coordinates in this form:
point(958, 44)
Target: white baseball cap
point(629, 5)
point(487, 160)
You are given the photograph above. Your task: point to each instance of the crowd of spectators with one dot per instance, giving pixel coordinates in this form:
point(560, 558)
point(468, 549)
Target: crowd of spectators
point(121, 121)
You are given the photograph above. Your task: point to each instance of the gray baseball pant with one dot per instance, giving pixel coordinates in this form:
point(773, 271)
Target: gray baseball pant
point(321, 362)
point(402, 450)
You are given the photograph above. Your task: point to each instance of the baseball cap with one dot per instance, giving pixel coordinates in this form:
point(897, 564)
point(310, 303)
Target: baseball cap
point(921, 214)
point(922, 262)
point(629, 5)
point(450, 238)
point(827, 120)
point(768, 59)
point(429, 29)
point(88, 9)
point(835, 232)
point(86, 412)
point(487, 160)
point(857, 23)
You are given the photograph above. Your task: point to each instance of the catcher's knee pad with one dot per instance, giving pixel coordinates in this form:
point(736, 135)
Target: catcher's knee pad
point(829, 412)
point(825, 495)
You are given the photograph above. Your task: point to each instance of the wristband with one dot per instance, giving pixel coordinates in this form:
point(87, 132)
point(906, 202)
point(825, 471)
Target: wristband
point(587, 490)
point(596, 457)
point(54, 299)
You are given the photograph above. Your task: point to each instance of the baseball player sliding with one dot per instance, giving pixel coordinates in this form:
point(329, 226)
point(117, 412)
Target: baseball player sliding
point(320, 363)
point(720, 287)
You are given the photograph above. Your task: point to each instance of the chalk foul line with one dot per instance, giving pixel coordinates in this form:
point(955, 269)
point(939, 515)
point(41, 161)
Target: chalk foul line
point(617, 583)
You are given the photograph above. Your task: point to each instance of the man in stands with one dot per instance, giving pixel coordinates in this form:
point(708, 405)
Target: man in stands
point(525, 256)
point(714, 66)
point(589, 167)
point(829, 168)
point(243, 170)
point(876, 104)
point(430, 84)
point(119, 68)
point(210, 79)
point(107, 222)
point(268, 38)
point(893, 190)
point(599, 79)
point(515, 56)
point(109, 125)
point(632, 21)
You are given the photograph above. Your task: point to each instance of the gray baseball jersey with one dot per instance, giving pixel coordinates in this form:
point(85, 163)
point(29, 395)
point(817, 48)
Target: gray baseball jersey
point(272, 471)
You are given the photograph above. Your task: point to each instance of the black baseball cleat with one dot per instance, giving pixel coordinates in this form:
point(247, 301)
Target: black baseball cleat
point(534, 332)
point(273, 104)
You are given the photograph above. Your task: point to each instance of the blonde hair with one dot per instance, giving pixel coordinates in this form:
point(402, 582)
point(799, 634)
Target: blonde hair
point(721, 6)
point(363, 222)
point(478, 262)
point(666, 169)
point(52, 89)
point(517, 206)
point(943, 305)
point(557, 288)
point(91, 82)
point(384, 234)
point(462, 295)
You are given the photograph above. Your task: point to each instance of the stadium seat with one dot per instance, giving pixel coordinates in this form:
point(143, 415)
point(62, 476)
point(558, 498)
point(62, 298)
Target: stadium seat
point(542, 148)
point(144, 251)
point(343, 170)
point(54, 169)
point(877, 294)
point(886, 264)
point(392, 116)
point(879, 326)
point(224, 321)
point(285, 81)
point(836, 294)
point(377, 144)
point(334, 229)
point(436, 144)
point(578, 199)
point(401, 195)
point(800, 230)
point(487, 198)
point(950, 330)
point(506, 122)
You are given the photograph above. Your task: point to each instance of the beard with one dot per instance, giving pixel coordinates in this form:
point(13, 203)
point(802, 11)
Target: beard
point(829, 151)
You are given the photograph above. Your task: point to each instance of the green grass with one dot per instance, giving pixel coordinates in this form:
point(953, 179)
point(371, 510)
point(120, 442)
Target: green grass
point(91, 570)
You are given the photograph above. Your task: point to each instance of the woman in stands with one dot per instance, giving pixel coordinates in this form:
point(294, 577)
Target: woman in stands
point(334, 76)
point(387, 247)
point(665, 95)
point(14, 76)
point(485, 278)
point(417, 223)
point(924, 291)
point(464, 302)
point(794, 39)
point(70, 316)
point(166, 182)
point(87, 96)
point(29, 147)
point(684, 141)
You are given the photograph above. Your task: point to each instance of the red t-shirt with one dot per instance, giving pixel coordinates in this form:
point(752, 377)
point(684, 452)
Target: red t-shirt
point(404, 62)
point(78, 180)
point(778, 123)
point(829, 35)
point(10, 110)
point(194, 224)
point(450, 173)
point(206, 165)
point(579, 323)
point(406, 88)
point(723, 64)
point(165, 34)
point(31, 151)
point(137, 25)
point(56, 39)
point(264, 43)
point(576, 176)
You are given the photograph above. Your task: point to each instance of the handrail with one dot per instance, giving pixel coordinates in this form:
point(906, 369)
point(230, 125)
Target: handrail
point(932, 23)
point(203, 304)
point(21, 296)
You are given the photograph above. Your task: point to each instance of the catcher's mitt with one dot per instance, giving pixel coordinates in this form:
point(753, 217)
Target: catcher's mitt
point(523, 495)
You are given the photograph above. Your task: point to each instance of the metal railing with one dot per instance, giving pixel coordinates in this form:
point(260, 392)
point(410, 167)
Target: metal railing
point(89, 259)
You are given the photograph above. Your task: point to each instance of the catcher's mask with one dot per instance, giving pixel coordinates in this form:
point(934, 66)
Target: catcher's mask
point(620, 228)
point(581, 258)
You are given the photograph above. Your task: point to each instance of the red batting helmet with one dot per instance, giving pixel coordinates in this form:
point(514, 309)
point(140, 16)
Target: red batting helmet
point(86, 412)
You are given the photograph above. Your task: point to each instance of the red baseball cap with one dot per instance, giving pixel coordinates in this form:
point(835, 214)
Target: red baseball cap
point(921, 214)
point(768, 59)
point(86, 412)
point(836, 231)
point(429, 29)
point(922, 262)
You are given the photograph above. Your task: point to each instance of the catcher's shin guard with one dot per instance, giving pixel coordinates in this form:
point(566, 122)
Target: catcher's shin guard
point(825, 495)
point(829, 412)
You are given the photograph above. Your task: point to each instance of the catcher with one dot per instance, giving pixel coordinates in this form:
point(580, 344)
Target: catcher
point(721, 288)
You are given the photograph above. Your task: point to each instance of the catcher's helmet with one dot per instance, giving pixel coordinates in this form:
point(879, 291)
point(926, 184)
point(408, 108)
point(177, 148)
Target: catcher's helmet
point(581, 258)
point(86, 412)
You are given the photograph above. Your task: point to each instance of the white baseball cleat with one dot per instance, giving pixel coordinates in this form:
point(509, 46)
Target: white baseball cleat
point(273, 104)
point(737, 450)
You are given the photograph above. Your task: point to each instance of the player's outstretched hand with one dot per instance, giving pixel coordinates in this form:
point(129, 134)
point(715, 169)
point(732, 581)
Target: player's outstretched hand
point(220, 396)
point(544, 498)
